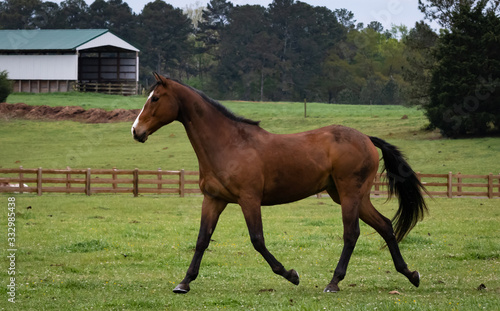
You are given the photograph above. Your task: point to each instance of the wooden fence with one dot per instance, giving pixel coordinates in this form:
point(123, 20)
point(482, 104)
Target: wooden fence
point(108, 88)
point(92, 181)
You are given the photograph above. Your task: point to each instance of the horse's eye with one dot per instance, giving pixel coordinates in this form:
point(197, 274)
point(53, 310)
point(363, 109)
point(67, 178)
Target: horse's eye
point(154, 99)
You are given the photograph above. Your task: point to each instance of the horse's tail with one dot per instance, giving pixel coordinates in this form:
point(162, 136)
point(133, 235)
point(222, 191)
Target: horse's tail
point(404, 183)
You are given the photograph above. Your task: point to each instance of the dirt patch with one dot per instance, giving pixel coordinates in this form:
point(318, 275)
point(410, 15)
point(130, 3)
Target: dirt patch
point(71, 113)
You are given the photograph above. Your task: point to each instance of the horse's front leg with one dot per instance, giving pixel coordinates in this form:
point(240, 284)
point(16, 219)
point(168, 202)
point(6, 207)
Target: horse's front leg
point(253, 217)
point(210, 212)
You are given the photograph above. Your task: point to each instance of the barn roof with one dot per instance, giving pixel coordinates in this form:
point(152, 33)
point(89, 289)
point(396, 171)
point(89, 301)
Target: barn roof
point(59, 39)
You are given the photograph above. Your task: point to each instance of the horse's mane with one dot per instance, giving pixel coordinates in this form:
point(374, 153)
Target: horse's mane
point(223, 109)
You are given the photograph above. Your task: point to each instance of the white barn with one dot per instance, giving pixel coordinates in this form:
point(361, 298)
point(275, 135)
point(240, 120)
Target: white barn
point(61, 60)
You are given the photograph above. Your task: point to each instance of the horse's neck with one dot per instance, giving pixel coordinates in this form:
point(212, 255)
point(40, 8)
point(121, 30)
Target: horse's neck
point(207, 128)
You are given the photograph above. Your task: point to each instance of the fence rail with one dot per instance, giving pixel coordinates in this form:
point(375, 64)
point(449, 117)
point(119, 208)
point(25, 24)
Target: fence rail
point(91, 181)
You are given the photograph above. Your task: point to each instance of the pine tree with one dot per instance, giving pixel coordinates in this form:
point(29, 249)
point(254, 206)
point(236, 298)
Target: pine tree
point(464, 91)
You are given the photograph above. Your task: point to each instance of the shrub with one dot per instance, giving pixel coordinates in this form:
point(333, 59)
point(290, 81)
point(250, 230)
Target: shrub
point(5, 86)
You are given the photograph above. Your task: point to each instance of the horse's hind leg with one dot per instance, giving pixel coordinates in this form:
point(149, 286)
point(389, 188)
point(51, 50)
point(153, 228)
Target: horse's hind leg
point(383, 226)
point(253, 217)
point(350, 219)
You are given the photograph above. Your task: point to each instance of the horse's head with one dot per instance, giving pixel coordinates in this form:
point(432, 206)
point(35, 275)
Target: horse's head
point(160, 109)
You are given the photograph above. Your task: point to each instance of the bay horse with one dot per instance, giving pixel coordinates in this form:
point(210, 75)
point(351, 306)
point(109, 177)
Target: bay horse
point(242, 163)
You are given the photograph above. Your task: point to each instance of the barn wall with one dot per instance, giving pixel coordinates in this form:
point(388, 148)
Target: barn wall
point(43, 86)
point(40, 67)
point(107, 39)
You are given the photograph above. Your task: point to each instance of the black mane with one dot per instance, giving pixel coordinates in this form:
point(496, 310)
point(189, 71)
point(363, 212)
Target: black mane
point(224, 110)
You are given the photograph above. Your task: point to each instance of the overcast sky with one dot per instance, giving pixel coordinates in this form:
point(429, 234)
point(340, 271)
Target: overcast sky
point(387, 12)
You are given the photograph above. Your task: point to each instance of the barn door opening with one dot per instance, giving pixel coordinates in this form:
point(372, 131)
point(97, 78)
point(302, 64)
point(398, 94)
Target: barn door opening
point(107, 70)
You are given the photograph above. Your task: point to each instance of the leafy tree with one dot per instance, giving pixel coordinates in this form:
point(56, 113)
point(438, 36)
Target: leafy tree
point(376, 26)
point(343, 85)
point(398, 31)
point(323, 32)
point(18, 14)
point(248, 53)
point(346, 19)
point(214, 19)
point(348, 97)
point(46, 15)
point(163, 34)
point(390, 93)
point(366, 68)
point(282, 16)
point(72, 14)
point(464, 90)
point(114, 15)
point(304, 33)
point(371, 92)
point(419, 47)
point(443, 10)
point(195, 13)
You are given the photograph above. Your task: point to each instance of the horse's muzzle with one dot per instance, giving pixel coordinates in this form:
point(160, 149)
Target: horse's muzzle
point(142, 137)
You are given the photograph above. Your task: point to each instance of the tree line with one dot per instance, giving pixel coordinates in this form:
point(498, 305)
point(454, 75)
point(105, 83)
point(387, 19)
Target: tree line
point(291, 51)
point(286, 52)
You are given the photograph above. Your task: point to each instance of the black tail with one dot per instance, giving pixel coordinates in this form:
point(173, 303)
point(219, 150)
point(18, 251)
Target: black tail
point(403, 182)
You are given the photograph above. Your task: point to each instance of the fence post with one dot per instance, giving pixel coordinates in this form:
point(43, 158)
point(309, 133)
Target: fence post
point(490, 186)
point(377, 186)
point(114, 178)
point(87, 182)
point(181, 183)
point(450, 185)
point(136, 182)
point(21, 182)
point(39, 181)
point(159, 185)
point(459, 186)
point(68, 177)
point(305, 108)
point(498, 184)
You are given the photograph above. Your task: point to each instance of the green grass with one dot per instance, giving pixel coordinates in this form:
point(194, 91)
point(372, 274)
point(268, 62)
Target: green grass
point(84, 100)
point(116, 252)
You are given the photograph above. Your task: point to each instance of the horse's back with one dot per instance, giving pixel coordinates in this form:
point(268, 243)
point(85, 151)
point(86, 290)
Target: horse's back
point(302, 164)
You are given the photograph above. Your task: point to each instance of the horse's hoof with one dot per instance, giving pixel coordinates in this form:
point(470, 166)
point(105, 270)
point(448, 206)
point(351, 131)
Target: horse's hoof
point(293, 277)
point(181, 289)
point(415, 278)
point(331, 288)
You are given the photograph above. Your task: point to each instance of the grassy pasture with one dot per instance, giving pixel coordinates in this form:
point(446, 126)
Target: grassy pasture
point(121, 253)
point(115, 252)
point(61, 144)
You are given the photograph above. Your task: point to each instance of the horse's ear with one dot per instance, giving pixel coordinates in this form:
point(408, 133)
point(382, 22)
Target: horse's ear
point(160, 79)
